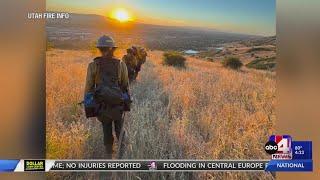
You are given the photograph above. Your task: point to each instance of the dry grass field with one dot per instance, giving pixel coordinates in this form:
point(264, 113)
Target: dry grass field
point(204, 111)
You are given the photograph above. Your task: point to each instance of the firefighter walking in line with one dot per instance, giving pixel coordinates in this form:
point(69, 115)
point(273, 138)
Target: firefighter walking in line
point(107, 78)
point(131, 61)
point(141, 56)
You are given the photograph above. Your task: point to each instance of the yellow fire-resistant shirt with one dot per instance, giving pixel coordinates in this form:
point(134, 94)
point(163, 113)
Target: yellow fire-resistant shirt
point(92, 73)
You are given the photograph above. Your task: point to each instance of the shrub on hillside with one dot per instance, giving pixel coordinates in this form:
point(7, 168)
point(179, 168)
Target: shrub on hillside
point(232, 62)
point(254, 49)
point(174, 59)
point(263, 63)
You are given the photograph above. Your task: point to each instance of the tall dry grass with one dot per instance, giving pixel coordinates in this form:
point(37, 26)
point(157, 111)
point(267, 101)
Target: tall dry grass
point(202, 112)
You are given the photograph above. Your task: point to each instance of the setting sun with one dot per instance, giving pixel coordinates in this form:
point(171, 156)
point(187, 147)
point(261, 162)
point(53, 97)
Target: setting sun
point(121, 15)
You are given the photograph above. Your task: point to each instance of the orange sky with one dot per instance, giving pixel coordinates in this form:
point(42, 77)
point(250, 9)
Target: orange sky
point(245, 16)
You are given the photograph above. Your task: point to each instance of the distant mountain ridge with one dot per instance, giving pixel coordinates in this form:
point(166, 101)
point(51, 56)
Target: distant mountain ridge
point(101, 22)
point(151, 36)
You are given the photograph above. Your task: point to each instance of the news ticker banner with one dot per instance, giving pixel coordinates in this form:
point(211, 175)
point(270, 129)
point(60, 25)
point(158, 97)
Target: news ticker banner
point(147, 165)
point(132, 165)
point(286, 155)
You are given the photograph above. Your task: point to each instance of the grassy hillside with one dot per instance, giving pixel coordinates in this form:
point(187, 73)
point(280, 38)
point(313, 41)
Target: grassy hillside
point(204, 111)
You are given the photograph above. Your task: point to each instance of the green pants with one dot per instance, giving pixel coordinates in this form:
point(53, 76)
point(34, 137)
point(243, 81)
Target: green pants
point(107, 117)
point(107, 131)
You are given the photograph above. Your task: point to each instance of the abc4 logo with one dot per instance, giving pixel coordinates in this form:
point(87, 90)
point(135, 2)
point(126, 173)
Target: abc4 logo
point(283, 146)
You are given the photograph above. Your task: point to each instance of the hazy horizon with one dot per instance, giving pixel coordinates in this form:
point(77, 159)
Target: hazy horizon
point(245, 17)
point(173, 26)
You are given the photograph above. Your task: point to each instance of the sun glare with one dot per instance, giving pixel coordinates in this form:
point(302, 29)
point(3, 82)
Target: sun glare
point(121, 15)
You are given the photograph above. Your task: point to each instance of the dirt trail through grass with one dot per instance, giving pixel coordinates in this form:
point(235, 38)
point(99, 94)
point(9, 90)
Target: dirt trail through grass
point(148, 125)
point(202, 112)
